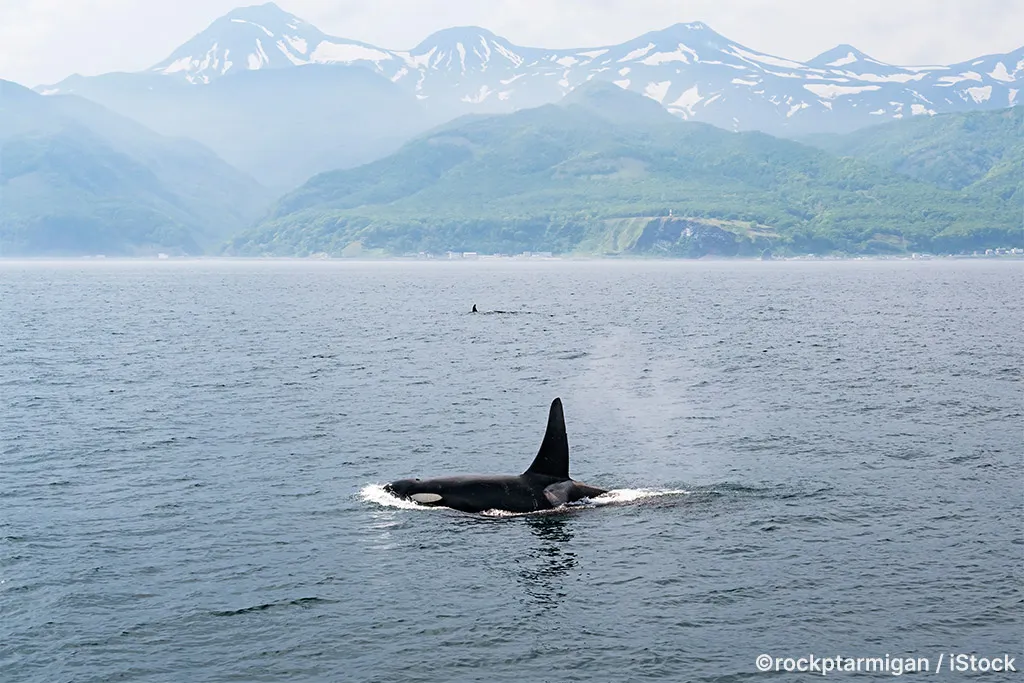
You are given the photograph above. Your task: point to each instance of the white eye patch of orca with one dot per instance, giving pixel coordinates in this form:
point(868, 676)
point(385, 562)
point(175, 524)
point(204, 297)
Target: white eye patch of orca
point(425, 498)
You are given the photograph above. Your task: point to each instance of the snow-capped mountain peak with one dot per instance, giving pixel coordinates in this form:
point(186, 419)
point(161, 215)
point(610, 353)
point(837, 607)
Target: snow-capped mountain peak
point(267, 15)
point(464, 49)
point(262, 37)
point(247, 38)
point(693, 30)
point(688, 68)
point(449, 37)
point(843, 56)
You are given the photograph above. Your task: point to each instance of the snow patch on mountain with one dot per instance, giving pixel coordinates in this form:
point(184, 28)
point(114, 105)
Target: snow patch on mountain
point(952, 80)
point(178, 65)
point(297, 44)
point(462, 56)
point(253, 23)
point(509, 54)
point(419, 61)
point(850, 58)
point(759, 59)
point(288, 54)
point(346, 53)
point(980, 93)
point(657, 91)
point(479, 97)
point(684, 104)
point(637, 53)
point(1000, 73)
point(682, 54)
point(831, 91)
point(795, 108)
point(260, 57)
point(886, 78)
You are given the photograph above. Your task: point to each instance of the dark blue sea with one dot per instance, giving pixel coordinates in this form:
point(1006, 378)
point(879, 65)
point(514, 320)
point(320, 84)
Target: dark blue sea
point(807, 458)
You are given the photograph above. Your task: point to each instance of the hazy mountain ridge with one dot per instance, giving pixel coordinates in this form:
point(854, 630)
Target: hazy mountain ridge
point(280, 126)
point(281, 100)
point(76, 178)
point(568, 179)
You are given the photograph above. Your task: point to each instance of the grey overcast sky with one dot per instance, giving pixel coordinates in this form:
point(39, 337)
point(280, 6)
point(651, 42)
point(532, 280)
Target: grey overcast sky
point(43, 41)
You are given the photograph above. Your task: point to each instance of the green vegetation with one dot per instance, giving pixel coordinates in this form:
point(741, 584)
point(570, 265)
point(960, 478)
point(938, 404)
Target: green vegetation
point(601, 174)
point(67, 194)
point(953, 151)
point(604, 172)
point(77, 179)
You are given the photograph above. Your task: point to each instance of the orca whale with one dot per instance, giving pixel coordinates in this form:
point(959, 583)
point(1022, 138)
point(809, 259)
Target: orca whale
point(543, 486)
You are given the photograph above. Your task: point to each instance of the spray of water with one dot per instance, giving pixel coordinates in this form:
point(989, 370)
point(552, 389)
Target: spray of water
point(375, 493)
point(635, 399)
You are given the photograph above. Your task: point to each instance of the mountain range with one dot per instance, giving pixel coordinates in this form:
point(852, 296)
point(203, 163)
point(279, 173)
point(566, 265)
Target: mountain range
point(344, 102)
point(77, 178)
point(611, 172)
point(679, 142)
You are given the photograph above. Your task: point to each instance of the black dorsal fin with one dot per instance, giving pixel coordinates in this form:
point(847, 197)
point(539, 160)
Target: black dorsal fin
point(553, 457)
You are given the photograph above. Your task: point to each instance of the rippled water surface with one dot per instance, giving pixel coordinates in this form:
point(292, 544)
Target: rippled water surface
point(190, 453)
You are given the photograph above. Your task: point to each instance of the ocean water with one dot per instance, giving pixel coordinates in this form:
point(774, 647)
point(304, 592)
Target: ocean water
point(807, 459)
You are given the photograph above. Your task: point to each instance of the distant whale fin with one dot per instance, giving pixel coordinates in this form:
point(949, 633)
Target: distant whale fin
point(553, 457)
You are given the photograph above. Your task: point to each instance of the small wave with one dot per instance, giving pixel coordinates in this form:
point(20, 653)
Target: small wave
point(300, 602)
point(375, 493)
point(728, 487)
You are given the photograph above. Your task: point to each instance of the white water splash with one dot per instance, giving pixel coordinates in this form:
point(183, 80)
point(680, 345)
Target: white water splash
point(632, 495)
point(375, 493)
point(613, 497)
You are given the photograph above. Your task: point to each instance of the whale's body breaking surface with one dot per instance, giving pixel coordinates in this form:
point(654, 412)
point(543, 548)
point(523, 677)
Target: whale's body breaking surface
point(543, 486)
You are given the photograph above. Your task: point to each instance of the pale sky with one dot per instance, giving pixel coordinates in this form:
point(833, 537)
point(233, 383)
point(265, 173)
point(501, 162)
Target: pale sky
point(43, 41)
